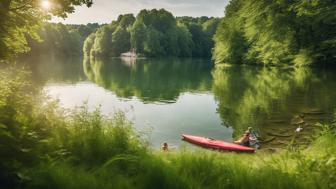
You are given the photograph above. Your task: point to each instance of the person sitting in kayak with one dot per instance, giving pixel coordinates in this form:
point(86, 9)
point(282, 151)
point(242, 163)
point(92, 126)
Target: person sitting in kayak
point(253, 142)
point(248, 139)
point(244, 140)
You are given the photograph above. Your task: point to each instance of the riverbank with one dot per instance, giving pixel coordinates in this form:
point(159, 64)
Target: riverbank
point(310, 168)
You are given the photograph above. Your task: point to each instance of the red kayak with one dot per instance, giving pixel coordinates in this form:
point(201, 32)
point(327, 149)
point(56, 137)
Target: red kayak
point(216, 144)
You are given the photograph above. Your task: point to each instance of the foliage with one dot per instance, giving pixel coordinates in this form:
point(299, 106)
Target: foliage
point(20, 19)
point(156, 33)
point(111, 39)
point(102, 41)
point(25, 125)
point(60, 40)
point(138, 36)
point(120, 41)
point(202, 30)
point(277, 32)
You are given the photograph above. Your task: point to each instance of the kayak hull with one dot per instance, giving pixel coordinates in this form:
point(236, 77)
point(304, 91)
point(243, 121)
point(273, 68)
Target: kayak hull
point(216, 144)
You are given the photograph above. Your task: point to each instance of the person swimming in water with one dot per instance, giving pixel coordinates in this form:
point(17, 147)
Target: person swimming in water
point(165, 146)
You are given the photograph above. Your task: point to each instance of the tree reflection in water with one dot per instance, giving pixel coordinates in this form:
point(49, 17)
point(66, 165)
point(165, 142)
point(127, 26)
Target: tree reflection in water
point(269, 98)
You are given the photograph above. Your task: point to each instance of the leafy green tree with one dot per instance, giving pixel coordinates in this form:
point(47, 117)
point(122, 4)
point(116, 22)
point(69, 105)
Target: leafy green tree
point(20, 19)
point(199, 39)
point(161, 19)
point(152, 45)
point(230, 44)
point(155, 33)
point(102, 42)
point(138, 36)
point(185, 42)
point(120, 41)
point(210, 26)
point(59, 39)
point(277, 32)
point(202, 30)
point(126, 20)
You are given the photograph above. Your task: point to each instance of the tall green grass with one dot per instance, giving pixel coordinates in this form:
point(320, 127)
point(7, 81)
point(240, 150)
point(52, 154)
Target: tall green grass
point(43, 146)
point(106, 153)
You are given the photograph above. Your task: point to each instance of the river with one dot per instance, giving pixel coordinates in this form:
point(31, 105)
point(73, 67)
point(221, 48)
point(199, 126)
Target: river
point(167, 97)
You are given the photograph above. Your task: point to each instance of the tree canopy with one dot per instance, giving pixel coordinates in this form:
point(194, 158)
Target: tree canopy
point(277, 32)
point(60, 39)
point(154, 33)
point(20, 19)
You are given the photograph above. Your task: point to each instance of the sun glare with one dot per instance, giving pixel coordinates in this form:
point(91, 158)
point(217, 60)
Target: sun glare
point(45, 4)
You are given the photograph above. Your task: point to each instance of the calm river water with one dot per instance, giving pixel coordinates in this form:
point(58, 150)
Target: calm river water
point(167, 97)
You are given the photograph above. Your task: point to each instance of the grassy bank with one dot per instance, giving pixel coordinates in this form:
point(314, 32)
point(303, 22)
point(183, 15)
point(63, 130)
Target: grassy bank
point(43, 146)
point(311, 168)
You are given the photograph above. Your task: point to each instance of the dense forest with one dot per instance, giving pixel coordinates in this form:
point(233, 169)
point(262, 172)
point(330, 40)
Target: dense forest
point(277, 32)
point(60, 39)
point(154, 33)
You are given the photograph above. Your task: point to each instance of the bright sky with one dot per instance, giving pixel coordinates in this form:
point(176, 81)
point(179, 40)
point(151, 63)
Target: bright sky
point(104, 11)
